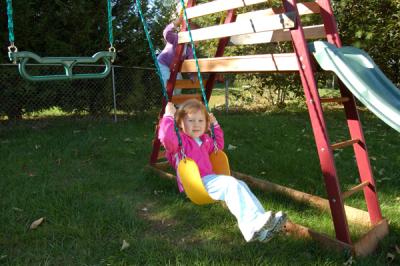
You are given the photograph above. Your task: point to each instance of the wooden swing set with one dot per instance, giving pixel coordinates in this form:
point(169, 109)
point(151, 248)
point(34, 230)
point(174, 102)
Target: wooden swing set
point(269, 26)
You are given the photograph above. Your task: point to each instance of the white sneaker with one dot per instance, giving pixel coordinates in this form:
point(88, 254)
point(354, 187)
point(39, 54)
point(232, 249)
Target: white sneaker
point(271, 228)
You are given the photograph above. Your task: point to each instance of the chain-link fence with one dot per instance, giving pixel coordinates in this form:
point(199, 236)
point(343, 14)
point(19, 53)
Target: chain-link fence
point(126, 90)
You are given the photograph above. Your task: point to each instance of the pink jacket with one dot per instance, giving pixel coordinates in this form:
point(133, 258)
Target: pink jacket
point(200, 154)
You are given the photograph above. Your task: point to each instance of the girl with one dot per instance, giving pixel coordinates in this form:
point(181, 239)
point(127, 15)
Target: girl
point(194, 121)
point(167, 55)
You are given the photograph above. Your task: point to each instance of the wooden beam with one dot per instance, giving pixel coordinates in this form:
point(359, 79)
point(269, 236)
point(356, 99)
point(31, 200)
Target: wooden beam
point(223, 5)
point(181, 98)
point(218, 6)
point(303, 8)
point(335, 100)
point(307, 233)
point(310, 32)
point(354, 215)
point(188, 84)
point(251, 63)
point(355, 189)
point(161, 155)
point(245, 26)
point(344, 144)
point(369, 242)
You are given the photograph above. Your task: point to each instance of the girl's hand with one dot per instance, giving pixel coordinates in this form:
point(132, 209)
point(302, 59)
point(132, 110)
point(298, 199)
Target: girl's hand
point(170, 109)
point(213, 120)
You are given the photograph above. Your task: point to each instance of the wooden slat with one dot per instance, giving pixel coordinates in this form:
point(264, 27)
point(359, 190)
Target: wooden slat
point(370, 241)
point(245, 26)
point(224, 5)
point(355, 189)
point(251, 63)
point(218, 6)
point(343, 144)
point(310, 32)
point(188, 84)
point(335, 100)
point(161, 155)
point(178, 99)
point(303, 232)
point(162, 166)
point(303, 8)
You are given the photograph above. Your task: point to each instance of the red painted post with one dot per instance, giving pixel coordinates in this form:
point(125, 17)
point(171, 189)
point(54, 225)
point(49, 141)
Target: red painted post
point(319, 128)
point(353, 122)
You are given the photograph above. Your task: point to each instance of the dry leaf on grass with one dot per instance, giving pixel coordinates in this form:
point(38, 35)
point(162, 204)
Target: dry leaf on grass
point(36, 223)
point(397, 249)
point(125, 245)
point(349, 262)
point(231, 147)
point(390, 257)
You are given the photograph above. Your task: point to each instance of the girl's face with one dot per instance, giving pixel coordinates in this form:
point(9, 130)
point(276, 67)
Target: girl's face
point(194, 124)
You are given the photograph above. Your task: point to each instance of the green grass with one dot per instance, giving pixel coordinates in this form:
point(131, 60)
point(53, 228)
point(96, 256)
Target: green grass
point(87, 179)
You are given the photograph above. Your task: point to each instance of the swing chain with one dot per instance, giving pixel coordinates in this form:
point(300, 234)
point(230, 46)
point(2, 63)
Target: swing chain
point(183, 154)
point(112, 50)
point(13, 49)
point(215, 146)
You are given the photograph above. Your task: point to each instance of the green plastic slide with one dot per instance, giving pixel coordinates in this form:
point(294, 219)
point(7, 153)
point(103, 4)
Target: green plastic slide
point(363, 78)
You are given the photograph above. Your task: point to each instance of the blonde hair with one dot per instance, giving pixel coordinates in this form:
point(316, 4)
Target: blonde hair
point(189, 107)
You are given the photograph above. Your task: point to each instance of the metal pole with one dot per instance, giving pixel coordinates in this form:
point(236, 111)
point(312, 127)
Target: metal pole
point(113, 87)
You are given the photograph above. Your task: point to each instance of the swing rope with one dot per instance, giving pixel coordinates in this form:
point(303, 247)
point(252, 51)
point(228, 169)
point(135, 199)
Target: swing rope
point(153, 54)
point(110, 27)
point(11, 37)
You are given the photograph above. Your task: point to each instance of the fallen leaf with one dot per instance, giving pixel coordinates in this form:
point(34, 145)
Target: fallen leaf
point(390, 257)
point(349, 262)
point(128, 140)
point(125, 245)
point(36, 223)
point(231, 147)
point(397, 249)
point(373, 158)
point(17, 209)
point(145, 209)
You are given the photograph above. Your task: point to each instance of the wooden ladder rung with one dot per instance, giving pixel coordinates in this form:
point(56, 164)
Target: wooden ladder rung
point(161, 155)
point(355, 189)
point(343, 144)
point(188, 84)
point(178, 99)
point(335, 100)
point(162, 165)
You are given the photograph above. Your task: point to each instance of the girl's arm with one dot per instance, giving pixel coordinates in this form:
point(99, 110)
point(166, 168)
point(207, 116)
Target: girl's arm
point(166, 131)
point(169, 32)
point(219, 134)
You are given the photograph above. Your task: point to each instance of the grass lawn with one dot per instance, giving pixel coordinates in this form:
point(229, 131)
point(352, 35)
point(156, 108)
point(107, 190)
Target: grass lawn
point(87, 179)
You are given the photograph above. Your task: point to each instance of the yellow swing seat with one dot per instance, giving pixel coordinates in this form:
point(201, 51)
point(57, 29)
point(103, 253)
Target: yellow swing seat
point(191, 180)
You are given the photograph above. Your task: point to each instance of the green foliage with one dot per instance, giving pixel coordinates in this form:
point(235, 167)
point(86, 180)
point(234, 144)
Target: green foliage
point(373, 25)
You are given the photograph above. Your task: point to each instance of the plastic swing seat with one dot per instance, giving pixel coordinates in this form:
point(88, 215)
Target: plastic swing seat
point(191, 180)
